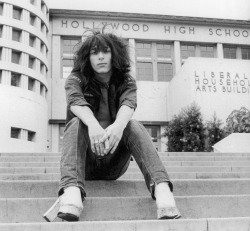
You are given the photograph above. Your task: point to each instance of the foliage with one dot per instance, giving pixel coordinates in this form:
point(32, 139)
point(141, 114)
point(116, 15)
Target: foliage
point(238, 121)
point(185, 131)
point(214, 132)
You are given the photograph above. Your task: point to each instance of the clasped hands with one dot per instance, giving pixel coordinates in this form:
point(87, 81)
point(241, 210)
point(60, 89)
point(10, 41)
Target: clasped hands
point(106, 140)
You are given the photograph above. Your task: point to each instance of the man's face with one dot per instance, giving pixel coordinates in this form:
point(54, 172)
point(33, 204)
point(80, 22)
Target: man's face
point(100, 59)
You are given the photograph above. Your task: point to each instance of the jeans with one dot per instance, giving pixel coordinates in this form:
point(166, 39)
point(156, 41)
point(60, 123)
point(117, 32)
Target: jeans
point(79, 163)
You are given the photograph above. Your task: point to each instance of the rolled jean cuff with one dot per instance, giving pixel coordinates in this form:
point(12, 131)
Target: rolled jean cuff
point(83, 193)
point(153, 184)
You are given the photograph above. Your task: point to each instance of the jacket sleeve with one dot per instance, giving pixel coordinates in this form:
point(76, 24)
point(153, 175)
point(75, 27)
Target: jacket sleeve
point(128, 96)
point(74, 95)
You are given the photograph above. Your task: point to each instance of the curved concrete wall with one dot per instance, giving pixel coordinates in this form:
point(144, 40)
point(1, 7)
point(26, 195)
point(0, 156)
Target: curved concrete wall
point(24, 106)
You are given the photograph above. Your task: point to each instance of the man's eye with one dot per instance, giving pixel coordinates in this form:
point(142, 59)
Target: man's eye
point(93, 52)
point(106, 49)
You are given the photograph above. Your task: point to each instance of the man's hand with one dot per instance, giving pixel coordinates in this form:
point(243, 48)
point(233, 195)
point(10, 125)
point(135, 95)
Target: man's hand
point(96, 133)
point(113, 135)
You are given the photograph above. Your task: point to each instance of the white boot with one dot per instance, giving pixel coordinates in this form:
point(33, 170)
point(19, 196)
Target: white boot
point(70, 204)
point(166, 206)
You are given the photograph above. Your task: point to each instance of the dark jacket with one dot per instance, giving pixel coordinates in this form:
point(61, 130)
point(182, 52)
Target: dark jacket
point(79, 93)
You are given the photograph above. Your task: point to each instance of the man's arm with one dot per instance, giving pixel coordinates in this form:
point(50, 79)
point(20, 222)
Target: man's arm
point(114, 132)
point(96, 132)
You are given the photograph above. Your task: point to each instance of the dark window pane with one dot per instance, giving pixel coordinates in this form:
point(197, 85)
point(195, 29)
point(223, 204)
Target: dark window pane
point(32, 19)
point(163, 51)
point(143, 49)
point(15, 57)
point(32, 41)
point(245, 53)
point(165, 71)
point(15, 79)
point(70, 46)
point(1, 8)
point(187, 51)
point(17, 13)
point(15, 133)
point(16, 35)
point(144, 71)
point(31, 136)
point(207, 51)
point(61, 133)
point(229, 52)
point(31, 84)
point(31, 62)
point(67, 67)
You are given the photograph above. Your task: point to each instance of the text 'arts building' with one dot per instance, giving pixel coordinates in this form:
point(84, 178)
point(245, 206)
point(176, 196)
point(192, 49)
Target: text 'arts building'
point(175, 60)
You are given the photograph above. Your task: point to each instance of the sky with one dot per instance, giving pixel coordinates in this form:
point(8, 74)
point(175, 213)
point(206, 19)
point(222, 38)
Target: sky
point(226, 9)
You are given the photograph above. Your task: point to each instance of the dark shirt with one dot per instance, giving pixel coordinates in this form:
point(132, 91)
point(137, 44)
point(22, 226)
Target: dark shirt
point(78, 93)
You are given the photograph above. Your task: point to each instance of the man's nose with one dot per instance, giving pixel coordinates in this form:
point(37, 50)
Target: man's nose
point(100, 55)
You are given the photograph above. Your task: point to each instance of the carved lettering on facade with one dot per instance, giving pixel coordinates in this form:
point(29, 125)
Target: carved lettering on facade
point(224, 82)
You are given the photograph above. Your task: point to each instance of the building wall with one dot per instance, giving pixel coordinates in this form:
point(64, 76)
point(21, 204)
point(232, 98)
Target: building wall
point(33, 72)
point(23, 75)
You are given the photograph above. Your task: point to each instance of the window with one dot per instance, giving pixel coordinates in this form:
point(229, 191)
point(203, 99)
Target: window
point(61, 132)
point(15, 133)
point(33, 2)
point(31, 84)
point(207, 51)
point(144, 71)
point(17, 13)
point(154, 61)
point(229, 52)
point(15, 79)
point(42, 89)
point(31, 136)
point(16, 35)
point(32, 62)
point(1, 8)
point(245, 52)
point(1, 53)
point(16, 57)
point(1, 31)
point(154, 132)
point(32, 40)
point(42, 47)
point(187, 51)
point(32, 19)
point(43, 7)
point(1, 73)
point(69, 47)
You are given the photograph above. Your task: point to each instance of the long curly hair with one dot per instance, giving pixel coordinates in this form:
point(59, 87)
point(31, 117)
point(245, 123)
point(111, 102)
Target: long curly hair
point(119, 53)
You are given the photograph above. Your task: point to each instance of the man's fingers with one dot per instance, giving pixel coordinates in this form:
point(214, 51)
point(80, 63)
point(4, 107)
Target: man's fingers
point(92, 142)
point(114, 148)
point(107, 146)
point(105, 137)
point(101, 145)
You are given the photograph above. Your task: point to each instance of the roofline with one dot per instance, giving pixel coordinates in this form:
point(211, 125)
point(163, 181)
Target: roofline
point(148, 18)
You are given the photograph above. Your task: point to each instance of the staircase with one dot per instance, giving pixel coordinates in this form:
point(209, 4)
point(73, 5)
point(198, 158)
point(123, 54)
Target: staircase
point(212, 191)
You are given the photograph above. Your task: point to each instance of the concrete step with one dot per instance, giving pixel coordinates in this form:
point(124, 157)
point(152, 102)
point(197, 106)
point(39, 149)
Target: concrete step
point(163, 158)
point(160, 154)
point(209, 224)
point(124, 208)
point(17, 170)
point(132, 176)
point(120, 188)
point(133, 163)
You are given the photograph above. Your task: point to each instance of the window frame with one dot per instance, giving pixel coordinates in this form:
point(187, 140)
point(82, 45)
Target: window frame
point(66, 55)
point(155, 60)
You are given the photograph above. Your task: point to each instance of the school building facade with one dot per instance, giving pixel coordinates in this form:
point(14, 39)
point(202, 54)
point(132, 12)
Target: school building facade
point(175, 60)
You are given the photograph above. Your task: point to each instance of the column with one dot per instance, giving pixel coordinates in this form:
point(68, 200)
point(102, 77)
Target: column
point(177, 56)
point(132, 57)
point(220, 54)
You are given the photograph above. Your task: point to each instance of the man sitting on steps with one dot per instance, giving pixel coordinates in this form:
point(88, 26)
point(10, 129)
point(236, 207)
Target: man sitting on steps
point(100, 136)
